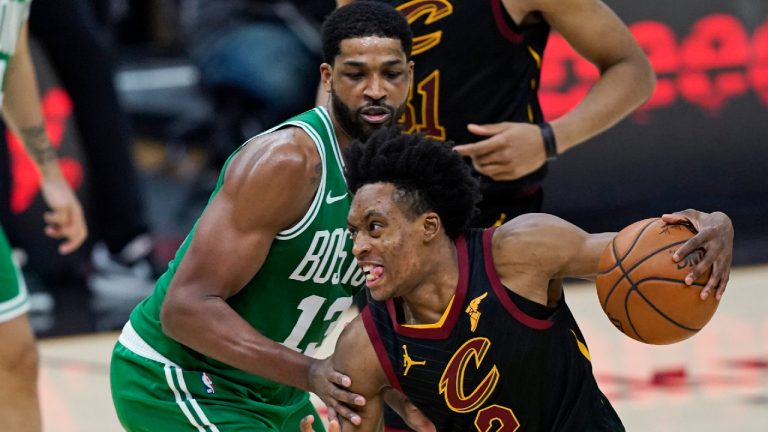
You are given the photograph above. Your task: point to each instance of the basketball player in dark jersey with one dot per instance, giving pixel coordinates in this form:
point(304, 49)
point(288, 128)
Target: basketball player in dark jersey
point(464, 322)
point(476, 83)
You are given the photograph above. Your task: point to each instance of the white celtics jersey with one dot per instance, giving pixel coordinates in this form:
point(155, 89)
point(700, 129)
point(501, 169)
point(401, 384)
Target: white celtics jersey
point(13, 13)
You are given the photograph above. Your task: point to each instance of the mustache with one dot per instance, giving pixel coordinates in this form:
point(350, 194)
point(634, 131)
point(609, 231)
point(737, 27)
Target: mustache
point(376, 106)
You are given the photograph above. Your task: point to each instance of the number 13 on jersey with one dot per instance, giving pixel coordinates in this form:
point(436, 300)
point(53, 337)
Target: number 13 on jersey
point(310, 307)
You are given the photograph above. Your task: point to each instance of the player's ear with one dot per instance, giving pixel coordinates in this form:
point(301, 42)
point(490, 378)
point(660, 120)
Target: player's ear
point(431, 224)
point(326, 74)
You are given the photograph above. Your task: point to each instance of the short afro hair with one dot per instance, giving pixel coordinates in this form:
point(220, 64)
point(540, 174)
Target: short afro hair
point(428, 173)
point(362, 19)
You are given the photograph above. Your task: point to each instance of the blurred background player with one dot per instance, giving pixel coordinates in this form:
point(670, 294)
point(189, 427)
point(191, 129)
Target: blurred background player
point(123, 269)
point(19, 409)
point(477, 76)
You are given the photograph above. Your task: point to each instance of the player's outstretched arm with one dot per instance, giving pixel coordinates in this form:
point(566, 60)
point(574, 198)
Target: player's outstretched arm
point(22, 113)
point(230, 243)
point(535, 248)
point(511, 150)
point(715, 236)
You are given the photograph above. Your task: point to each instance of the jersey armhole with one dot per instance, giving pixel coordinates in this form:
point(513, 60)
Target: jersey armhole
point(378, 346)
point(502, 292)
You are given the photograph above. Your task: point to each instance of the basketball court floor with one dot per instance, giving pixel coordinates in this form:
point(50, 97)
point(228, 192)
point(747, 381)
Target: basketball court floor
point(715, 381)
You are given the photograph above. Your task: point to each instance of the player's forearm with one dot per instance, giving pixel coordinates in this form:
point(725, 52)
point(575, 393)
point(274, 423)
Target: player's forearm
point(23, 114)
point(212, 328)
point(621, 89)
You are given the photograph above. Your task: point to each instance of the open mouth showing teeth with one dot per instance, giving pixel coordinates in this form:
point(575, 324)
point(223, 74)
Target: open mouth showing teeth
point(372, 273)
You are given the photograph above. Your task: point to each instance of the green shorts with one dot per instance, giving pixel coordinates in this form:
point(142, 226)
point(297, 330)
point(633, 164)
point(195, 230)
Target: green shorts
point(14, 300)
point(153, 396)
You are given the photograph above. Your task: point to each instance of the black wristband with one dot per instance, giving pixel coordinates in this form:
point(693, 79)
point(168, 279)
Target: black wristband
point(550, 146)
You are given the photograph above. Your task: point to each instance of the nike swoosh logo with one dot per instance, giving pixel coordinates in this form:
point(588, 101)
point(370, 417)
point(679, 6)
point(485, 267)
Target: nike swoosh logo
point(332, 199)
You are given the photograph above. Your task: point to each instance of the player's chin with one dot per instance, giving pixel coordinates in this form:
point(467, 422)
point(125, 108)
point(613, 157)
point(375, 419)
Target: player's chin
point(379, 292)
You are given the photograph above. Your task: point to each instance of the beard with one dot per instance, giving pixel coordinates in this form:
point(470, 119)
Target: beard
point(351, 121)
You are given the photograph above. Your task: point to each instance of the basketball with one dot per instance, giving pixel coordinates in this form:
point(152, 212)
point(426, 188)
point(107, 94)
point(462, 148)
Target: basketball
point(643, 291)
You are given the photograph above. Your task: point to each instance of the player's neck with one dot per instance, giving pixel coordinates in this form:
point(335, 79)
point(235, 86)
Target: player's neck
point(426, 303)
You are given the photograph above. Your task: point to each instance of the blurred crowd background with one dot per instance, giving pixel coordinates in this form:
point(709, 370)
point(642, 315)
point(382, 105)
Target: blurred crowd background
point(146, 98)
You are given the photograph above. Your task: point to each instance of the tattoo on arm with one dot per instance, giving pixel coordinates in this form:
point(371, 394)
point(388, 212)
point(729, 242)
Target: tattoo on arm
point(318, 175)
point(36, 141)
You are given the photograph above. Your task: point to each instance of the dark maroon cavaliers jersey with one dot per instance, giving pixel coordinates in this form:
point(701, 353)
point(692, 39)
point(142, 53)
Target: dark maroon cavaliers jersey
point(496, 361)
point(493, 76)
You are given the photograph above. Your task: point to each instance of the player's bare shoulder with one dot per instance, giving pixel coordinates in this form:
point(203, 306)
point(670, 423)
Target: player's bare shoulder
point(535, 243)
point(279, 172)
point(284, 152)
point(516, 239)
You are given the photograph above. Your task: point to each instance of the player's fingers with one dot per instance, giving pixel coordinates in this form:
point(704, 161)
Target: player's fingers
point(721, 287)
point(75, 236)
point(674, 218)
point(54, 231)
point(348, 414)
point(487, 129)
point(332, 416)
point(306, 423)
point(334, 426)
point(710, 287)
point(348, 397)
point(340, 379)
point(691, 246)
point(478, 149)
point(57, 217)
point(701, 263)
point(70, 245)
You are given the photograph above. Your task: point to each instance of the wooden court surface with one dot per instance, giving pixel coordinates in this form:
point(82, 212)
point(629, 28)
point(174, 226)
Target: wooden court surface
point(716, 381)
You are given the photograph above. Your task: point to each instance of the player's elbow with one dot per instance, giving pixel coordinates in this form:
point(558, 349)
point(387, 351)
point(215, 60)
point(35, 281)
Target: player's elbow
point(173, 313)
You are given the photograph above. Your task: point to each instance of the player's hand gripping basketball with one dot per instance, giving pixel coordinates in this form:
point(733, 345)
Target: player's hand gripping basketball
point(329, 385)
point(715, 237)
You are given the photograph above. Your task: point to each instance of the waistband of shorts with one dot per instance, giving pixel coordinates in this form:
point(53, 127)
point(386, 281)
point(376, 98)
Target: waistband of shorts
point(134, 343)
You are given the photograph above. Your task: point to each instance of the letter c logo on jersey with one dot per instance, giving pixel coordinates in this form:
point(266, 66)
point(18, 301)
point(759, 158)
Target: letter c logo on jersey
point(434, 10)
point(452, 381)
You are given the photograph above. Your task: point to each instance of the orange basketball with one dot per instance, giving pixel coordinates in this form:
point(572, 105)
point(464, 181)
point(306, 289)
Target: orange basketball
point(643, 291)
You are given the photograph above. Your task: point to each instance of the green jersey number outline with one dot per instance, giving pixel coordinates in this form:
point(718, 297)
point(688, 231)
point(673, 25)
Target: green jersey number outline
point(310, 307)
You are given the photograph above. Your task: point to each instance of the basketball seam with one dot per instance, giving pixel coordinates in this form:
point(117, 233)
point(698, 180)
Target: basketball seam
point(625, 273)
point(640, 293)
point(633, 286)
point(632, 246)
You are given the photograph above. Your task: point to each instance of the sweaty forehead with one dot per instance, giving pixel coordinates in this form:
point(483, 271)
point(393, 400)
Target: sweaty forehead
point(372, 46)
point(370, 199)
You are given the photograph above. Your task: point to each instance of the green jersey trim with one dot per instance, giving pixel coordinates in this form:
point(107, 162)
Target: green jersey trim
point(317, 202)
point(335, 143)
point(19, 304)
